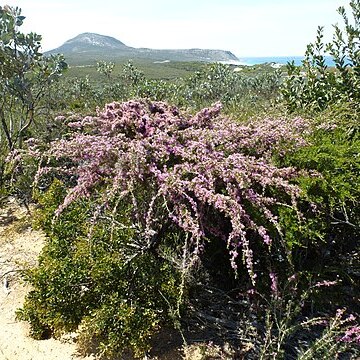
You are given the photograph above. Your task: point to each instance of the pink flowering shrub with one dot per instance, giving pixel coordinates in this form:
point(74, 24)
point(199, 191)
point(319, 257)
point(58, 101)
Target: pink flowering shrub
point(207, 174)
point(152, 201)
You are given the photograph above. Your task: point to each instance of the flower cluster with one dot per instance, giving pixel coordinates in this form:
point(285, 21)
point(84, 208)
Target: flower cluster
point(202, 171)
point(352, 335)
point(274, 284)
point(326, 283)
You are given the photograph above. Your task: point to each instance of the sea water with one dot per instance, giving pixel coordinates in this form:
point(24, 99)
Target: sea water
point(279, 60)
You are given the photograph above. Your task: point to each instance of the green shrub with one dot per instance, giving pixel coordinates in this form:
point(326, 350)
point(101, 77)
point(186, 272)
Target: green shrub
point(87, 283)
point(314, 86)
point(333, 154)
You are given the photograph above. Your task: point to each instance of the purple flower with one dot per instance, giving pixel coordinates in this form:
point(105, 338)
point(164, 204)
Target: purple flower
point(274, 284)
point(352, 335)
point(189, 170)
point(326, 283)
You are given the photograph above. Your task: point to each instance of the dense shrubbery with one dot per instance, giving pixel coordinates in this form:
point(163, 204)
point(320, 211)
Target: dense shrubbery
point(154, 215)
point(334, 146)
point(165, 188)
point(219, 82)
point(246, 91)
point(89, 281)
point(155, 158)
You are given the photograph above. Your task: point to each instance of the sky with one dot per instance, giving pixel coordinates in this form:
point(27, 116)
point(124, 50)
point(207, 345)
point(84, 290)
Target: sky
point(245, 27)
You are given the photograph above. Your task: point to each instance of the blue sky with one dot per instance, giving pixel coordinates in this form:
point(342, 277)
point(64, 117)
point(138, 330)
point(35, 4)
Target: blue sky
point(245, 27)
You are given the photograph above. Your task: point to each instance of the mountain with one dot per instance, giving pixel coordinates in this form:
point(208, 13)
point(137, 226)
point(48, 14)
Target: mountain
point(90, 42)
point(90, 47)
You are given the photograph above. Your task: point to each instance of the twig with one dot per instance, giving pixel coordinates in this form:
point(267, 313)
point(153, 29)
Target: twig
point(344, 222)
point(9, 272)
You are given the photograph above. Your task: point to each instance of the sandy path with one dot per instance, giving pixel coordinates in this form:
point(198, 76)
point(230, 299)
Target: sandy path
point(20, 245)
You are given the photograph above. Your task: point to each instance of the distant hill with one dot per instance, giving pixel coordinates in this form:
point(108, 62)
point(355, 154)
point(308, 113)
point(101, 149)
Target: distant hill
point(89, 47)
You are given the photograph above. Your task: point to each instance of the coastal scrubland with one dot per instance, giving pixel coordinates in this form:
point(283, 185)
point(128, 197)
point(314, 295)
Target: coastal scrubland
point(213, 207)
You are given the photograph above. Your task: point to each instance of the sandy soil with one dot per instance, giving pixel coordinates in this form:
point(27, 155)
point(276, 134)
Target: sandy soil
point(19, 247)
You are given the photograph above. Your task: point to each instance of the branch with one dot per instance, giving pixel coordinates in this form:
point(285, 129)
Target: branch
point(6, 129)
point(30, 114)
point(343, 222)
point(9, 272)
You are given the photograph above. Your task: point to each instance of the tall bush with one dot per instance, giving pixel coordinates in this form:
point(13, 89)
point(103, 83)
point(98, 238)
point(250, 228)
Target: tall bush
point(314, 85)
point(25, 75)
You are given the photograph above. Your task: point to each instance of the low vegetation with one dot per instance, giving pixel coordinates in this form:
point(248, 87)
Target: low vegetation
point(222, 204)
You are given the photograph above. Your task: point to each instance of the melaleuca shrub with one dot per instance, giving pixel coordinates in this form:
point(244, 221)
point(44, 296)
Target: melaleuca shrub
point(149, 192)
point(177, 169)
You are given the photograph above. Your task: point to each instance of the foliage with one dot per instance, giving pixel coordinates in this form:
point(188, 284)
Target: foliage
point(25, 77)
point(88, 282)
point(140, 86)
point(314, 85)
point(214, 82)
point(145, 204)
point(219, 82)
point(151, 190)
point(187, 165)
point(26, 80)
point(290, 334)
point(333, 153)
point(105, 68)
point(252, 90)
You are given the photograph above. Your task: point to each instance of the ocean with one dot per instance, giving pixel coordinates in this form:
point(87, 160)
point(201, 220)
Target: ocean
point(278, 60)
